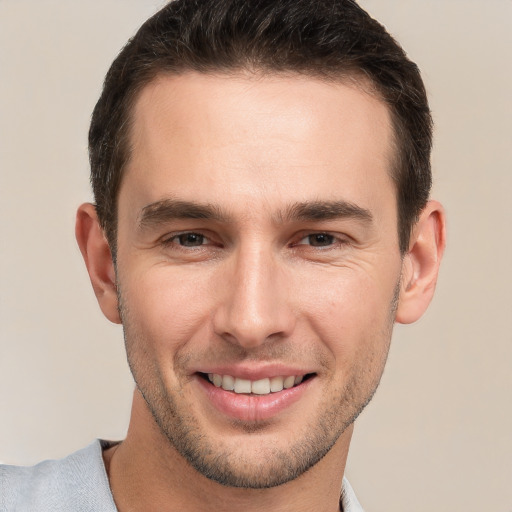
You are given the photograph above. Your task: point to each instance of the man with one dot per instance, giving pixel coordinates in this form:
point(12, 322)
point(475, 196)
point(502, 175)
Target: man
point(261, 175)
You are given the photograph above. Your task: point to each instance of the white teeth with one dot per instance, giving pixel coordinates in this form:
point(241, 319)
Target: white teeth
point(261, 387)
point(257, 387)
point(289, 382)
point(228, 383)
point(276, 384)
point(242, 386)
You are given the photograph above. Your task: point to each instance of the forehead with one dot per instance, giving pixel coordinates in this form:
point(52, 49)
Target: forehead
point(197, 133)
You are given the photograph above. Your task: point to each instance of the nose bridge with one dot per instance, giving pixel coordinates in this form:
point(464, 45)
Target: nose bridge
point(254, 307)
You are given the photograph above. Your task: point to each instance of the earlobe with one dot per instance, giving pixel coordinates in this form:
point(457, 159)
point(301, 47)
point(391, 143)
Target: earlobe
point(420, 266)
point(98, 260)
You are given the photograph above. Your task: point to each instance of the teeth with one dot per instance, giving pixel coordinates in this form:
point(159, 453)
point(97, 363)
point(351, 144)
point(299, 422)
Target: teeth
point(242, 386)
point(276, 384)
point(288, 382)
point(261, 387)
point(228, 383)
point(257, 387)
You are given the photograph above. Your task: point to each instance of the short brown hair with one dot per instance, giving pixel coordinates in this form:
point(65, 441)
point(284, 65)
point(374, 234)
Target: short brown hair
point(329, 39)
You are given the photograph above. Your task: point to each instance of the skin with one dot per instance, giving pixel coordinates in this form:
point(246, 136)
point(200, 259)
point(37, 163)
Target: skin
point(298, 264)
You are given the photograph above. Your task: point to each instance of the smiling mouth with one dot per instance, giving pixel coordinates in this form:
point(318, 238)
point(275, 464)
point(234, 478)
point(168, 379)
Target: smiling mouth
point(255, 387)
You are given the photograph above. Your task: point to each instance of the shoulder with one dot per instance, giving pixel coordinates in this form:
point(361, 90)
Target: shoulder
point(77, 482)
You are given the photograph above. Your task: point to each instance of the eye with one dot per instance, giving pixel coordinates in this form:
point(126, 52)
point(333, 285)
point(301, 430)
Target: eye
point(188, 239)
point(318, 240)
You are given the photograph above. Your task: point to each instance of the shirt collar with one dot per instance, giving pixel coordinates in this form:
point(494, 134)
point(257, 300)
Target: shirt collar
point(349, 502)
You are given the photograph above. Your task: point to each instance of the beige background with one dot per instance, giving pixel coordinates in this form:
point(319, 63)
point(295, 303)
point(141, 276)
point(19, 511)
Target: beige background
point(438, 435)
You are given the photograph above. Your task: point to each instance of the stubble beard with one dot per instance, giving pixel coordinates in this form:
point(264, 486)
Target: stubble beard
point(238, 470)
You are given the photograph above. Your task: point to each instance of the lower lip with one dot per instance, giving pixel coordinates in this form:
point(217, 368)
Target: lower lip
point(252, 408)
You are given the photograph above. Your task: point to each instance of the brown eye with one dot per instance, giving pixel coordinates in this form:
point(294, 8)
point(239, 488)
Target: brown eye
point(190, 239)
point(320, 239)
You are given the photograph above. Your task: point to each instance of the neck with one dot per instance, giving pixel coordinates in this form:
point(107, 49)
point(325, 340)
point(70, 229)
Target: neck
point(147, 473)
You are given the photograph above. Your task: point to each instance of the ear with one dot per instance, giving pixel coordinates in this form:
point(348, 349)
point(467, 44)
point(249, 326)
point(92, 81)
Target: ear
point(421, 263)
point(98, 260)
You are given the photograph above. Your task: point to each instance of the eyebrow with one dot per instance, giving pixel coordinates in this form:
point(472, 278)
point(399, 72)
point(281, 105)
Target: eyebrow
point(325, 210)
point(166, 210)
point(171, 209)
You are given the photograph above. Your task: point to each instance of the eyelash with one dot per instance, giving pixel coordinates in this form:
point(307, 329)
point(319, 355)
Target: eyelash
point(171, 240)
point(333, 241)
point(330, 239)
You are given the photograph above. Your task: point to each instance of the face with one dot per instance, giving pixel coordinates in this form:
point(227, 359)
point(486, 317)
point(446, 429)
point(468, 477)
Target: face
point(258, 267)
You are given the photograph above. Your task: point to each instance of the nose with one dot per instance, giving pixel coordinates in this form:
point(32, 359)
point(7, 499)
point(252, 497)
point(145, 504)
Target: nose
point(254, 305)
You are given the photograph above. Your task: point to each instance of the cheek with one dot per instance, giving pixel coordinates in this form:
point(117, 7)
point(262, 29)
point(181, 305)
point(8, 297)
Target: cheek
point(166, 307)
point(352, 313)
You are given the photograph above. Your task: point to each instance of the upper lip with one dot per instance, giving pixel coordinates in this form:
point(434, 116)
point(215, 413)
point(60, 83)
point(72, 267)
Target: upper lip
point(254, 371)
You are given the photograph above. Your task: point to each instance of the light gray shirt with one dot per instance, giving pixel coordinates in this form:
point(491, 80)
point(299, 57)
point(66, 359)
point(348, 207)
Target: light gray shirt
point(78, 483)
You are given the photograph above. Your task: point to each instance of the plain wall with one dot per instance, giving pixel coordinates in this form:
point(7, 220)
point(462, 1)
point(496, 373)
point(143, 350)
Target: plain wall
point(438, 434)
